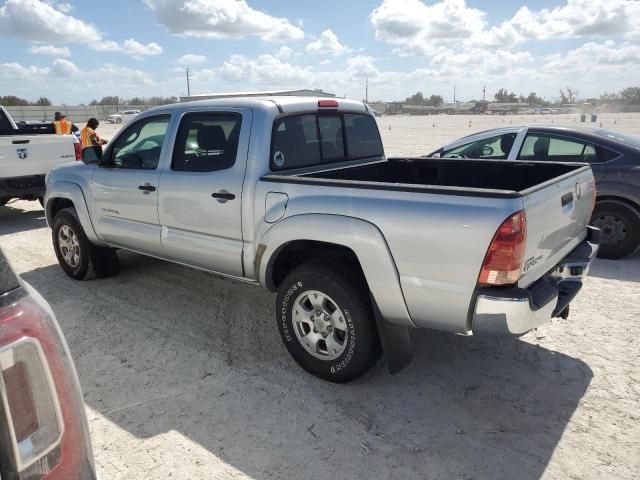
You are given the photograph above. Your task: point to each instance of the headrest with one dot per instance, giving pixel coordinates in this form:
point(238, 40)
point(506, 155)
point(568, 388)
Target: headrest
point(211, 137)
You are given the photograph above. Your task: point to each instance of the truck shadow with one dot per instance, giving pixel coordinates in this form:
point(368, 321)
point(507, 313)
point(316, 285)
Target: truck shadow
point(14, 219)
point(161, 348)
point(625, 270)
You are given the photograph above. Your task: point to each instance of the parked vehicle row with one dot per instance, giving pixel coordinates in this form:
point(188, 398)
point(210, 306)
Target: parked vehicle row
point(297, 195)
point(614, 158)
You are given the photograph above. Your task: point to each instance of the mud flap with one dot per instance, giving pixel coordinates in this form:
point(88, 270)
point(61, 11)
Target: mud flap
point(395, 340)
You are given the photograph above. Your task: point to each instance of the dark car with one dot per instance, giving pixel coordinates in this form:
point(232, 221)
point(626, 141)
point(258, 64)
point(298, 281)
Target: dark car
point(43, 425)
point(614, 159)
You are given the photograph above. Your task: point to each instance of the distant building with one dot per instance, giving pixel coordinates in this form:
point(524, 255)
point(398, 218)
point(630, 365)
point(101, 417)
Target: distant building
point(277, 93)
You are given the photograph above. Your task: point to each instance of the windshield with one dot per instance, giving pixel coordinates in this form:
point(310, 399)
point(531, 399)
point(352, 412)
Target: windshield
point(621, 137)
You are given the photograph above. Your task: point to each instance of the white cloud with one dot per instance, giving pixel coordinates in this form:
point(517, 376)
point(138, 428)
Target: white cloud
point(361, 66)
point(38, 21)
point(328, 44)
point(15, 71)
point(419, 28)
point(64, 7)
point(130, 47)
point(264, 70)
point(222, 19)
point(284, 53)
point(579, 18)
point(191, 59)
point(50, 50)
point(64, 68)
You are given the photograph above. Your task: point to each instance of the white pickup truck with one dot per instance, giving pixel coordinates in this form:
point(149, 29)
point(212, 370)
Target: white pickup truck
point(297, 195)
point(27, 153)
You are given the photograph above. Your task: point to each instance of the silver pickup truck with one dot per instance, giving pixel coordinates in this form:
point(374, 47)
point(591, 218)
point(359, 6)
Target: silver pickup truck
point(296, 194)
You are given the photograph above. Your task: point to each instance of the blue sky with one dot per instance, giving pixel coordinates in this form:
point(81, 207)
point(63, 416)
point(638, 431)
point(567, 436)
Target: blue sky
point(73, 51)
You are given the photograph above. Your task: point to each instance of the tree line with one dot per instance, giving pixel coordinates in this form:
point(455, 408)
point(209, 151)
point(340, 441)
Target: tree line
point(567, 95)
point(115, 100)
point(13, 101)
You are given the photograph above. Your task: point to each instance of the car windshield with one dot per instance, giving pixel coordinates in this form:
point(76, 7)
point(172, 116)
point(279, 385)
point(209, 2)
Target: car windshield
point(621, 137)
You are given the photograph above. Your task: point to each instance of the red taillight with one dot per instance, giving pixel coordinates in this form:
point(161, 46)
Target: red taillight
point(78, 149)
point(328, 103)
point(503, 261)
point(42, 404)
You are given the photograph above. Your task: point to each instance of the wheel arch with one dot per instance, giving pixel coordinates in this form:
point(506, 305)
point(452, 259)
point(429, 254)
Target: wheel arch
point(620, 200)
point(298, 239)
point(66, 194)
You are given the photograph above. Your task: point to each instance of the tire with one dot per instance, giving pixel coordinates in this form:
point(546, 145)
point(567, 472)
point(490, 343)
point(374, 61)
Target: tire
point(118, 120)
point(88, 260)
point(620, 228)
point(346, 343)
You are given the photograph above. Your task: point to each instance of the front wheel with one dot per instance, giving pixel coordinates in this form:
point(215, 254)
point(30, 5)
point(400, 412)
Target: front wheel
point(619, 225)
point(326, 322)
point(77, 256)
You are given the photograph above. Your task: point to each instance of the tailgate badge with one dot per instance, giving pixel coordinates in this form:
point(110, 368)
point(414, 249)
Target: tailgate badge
point(22, 153)
point(578, 191)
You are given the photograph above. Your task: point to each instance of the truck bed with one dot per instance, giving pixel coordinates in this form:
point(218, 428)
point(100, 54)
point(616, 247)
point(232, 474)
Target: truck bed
point(454, 176)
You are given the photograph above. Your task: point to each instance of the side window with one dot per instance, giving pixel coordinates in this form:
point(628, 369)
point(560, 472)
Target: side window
point(604, 154)
point(206, 142)
point(295, 142)
point(497, 147)
point(545, 147)
point(140, 145)
point(363, 139)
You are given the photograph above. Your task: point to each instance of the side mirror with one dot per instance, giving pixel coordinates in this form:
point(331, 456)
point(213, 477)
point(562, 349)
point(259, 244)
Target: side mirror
point(92, 155)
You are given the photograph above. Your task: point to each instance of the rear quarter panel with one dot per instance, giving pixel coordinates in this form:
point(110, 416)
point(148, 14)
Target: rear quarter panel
point(437, 242)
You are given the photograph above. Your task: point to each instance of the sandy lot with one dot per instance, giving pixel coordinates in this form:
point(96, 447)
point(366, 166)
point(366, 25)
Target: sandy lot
point(184, 374)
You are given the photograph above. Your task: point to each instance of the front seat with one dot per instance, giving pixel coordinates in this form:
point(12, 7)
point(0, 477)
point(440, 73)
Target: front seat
point(506, 143)
point(211, 145)
point(541, 149)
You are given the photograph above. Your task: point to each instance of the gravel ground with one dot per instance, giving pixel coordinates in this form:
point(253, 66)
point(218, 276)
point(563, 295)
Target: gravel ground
point(184, 374)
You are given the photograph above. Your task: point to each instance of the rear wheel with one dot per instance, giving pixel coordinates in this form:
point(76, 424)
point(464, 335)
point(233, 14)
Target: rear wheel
point(326, 322)
point(77, 256)
point(620, 229)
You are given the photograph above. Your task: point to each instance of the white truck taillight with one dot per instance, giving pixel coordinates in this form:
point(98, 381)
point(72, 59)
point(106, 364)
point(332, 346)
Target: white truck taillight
point(77, 147)
point(503, 261)
point(46, 436)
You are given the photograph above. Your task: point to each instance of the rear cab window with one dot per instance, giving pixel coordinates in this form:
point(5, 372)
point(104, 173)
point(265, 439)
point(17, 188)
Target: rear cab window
point(305, 140)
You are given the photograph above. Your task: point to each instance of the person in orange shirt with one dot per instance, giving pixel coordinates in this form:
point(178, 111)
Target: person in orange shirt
point(88, 135)
point(63, 126)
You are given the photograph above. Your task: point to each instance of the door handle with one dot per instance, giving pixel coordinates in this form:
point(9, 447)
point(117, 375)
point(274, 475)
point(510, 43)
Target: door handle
point(20, 142)
point(147, 188)
point(222, 196)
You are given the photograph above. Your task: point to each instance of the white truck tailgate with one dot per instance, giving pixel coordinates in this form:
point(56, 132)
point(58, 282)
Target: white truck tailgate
point(557, 212)
point(23, 155)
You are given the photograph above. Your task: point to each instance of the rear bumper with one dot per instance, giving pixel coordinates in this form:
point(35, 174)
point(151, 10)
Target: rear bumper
point(515, 311)
point(29, 186)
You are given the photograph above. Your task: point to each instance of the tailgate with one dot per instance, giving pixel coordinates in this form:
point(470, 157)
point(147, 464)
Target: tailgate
point(23, 155)
point(558, 212)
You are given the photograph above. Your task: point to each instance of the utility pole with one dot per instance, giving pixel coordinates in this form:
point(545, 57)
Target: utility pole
point(454, 94)
point(188, 86)
point(366, 90)
point(484, 91)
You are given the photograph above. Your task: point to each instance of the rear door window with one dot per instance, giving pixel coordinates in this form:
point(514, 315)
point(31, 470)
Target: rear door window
point(206, 142)
point(545, 147)
point(311, 139)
